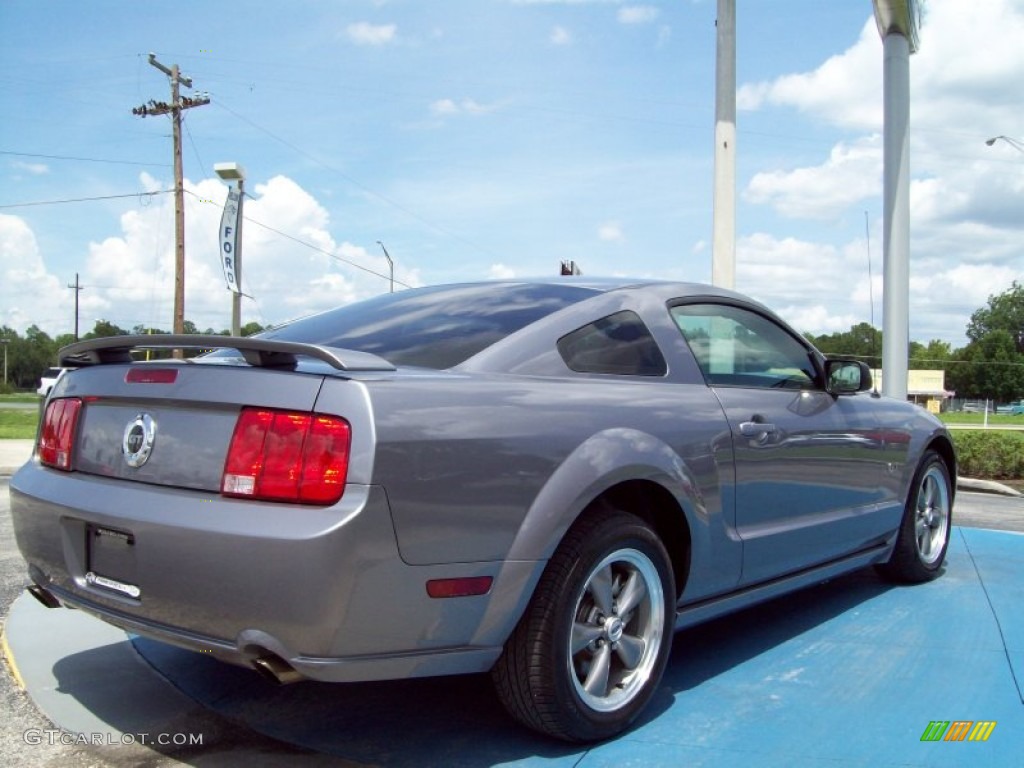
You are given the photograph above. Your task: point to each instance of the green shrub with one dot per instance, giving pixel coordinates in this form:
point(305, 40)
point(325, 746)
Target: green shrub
point(994, 455)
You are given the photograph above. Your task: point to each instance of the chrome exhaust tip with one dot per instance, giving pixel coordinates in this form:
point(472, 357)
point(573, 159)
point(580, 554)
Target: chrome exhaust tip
point(44, 596)
point(276, 669)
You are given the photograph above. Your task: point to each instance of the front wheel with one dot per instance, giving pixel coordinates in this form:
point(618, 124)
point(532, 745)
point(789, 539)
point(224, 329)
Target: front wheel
point(924, 531)
point(589, 653)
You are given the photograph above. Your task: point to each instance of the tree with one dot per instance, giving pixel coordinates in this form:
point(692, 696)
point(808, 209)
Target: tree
point(1004, 312)
point(937, 354)
point(104, 328)
point(28, 356)
point(862, 341)
point(991, 368)
point(993, 361)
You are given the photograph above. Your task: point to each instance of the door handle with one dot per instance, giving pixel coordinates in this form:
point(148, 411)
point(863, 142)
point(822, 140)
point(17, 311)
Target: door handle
point(758, 430)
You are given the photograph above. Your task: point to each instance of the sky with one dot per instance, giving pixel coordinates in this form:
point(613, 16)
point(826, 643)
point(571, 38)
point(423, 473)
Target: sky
point(480, 139)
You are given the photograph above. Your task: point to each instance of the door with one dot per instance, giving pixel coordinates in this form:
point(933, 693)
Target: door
point(808, 464)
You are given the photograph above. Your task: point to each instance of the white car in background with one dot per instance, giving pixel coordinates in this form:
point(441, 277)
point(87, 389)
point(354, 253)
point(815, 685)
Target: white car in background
point(48, 379)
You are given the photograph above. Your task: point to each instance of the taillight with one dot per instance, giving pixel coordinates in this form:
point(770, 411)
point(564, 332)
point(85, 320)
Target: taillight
point(287, 456)
point(57, 438)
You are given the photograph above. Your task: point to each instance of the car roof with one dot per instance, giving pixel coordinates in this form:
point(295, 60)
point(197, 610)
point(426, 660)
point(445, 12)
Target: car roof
point(680, 288)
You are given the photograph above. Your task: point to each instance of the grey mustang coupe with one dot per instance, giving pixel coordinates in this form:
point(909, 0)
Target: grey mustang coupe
point(539, 479)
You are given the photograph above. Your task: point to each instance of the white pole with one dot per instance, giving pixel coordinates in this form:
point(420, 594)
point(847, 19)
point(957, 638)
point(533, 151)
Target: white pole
point(896, 231)
point(723, 247)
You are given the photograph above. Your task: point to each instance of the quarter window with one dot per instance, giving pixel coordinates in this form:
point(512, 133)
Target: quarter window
point(741, 348)
point(617, 344)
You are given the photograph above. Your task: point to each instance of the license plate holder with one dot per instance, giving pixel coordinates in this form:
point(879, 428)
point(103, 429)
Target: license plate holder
point(110, 562)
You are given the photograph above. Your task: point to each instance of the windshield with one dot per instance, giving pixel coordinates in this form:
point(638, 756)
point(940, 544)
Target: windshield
point(436, 327)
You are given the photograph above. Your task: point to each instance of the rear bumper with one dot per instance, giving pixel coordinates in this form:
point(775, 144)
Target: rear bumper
point(323, 588)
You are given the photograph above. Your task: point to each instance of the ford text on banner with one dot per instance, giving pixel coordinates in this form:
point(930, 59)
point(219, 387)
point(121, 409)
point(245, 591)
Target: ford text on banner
point(229, 238)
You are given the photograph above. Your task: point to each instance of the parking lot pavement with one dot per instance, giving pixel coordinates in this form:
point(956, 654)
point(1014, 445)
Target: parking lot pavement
point(853, 672)
point(14, 453)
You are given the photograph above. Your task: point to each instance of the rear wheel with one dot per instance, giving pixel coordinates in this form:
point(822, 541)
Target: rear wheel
point(590, 651)
point(924, 532)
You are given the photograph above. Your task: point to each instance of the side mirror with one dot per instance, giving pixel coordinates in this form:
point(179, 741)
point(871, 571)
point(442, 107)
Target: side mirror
point(846, 377)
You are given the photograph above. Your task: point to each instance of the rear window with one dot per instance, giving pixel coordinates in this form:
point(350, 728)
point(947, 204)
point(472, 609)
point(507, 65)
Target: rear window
point(436, 327)
point(618, 344)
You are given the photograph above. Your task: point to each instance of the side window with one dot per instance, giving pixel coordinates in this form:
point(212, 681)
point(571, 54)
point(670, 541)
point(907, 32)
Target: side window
point(618, 344)
point(741, 348)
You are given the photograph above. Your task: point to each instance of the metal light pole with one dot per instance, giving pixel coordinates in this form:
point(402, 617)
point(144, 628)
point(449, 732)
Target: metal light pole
point(391, 265)
point(5, 342)
point(231, 240)
point(723, 246)
point(897, 22)
point(1015, 143)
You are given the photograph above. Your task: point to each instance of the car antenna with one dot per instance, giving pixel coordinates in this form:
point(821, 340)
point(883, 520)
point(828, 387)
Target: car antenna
point(871, 300)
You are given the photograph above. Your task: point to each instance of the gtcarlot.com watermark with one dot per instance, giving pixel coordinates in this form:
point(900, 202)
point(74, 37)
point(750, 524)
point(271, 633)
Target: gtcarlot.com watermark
point(54, 736)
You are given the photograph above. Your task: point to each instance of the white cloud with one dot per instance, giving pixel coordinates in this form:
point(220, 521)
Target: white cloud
point(444, 107)
point(611, 232)
point(949, 81)
point(637, 14)
point(560, 36)
point(129, 276)
point(566, 2)
point(845, 90)
point(29, 295)
point(448, 107)
point(965, 198)
point(36, 169)
point(500, 272)
point(364, 33)
point(852, 173)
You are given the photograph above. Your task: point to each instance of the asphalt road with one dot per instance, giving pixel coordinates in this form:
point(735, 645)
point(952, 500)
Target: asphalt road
point(987, 510)
point(226, 743)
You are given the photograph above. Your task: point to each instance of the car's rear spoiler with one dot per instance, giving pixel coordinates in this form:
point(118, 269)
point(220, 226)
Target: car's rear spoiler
point(263, 353)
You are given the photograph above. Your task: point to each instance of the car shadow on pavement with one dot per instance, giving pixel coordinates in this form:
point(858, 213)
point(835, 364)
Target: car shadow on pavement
point(458, 721)
point(449, 721)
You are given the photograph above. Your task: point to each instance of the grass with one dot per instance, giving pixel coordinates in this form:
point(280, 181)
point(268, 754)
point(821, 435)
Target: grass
point(19, 397)
point(18, 424)
point(994, 419)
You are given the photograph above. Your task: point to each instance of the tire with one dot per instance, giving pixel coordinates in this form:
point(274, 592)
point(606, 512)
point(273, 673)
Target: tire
point(581, 665)
point(923, 537)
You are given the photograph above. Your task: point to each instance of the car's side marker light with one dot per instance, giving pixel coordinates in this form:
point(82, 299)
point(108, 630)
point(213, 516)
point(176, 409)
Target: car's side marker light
point(464, 587)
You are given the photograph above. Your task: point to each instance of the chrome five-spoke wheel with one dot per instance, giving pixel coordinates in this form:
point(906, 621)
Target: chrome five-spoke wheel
point(588, 654)
point(923, 536)
point(617, 630)
point(931, 521)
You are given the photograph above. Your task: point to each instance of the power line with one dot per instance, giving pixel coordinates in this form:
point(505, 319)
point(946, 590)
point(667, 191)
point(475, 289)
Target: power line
point(195, 149)
point(86, 199)
point(383, 198)
point(83, 159)
point(311, 246)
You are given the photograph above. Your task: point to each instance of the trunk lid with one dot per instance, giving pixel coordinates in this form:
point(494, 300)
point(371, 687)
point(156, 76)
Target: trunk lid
point(192, 419)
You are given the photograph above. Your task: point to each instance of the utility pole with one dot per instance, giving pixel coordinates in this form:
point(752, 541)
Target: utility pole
point(77, 288)
point(174, 109)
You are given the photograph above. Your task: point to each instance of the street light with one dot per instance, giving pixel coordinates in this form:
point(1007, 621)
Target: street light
point(1015, 143)
point(5, 342)
point(231, 239)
